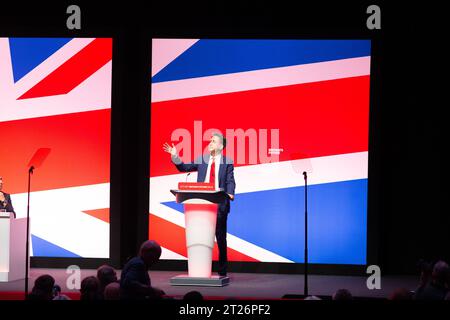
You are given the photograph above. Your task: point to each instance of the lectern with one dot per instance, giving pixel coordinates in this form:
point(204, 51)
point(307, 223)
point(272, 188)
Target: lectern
point(200, 213)
point(12, 247)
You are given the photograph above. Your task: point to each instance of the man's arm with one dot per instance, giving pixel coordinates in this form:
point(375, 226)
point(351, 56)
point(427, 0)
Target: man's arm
point(133, 280)
point(183, 167)
point(230, 184)
point(9, 206)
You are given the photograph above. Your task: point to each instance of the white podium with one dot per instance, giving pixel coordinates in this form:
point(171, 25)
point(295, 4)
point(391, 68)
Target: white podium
point(12, 247)
point(200, 213)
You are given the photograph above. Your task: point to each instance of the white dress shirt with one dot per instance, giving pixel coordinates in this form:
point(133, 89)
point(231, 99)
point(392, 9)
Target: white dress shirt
point(217, 160)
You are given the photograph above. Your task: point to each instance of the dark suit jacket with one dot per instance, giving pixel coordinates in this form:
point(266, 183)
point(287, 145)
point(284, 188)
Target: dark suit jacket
point(226, 175)
point(135, 282)
point(9, 206)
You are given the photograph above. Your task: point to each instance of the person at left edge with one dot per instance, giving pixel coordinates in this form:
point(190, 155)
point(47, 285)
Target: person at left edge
point(5, 200)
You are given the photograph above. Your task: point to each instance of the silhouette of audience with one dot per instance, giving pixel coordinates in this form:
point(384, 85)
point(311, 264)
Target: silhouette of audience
point(193, 296)
point(90, 289)
point(435, 288)
point(112, 291)
point(106, 275)
point(135, 283)
point(43, 288)
point(342, 294)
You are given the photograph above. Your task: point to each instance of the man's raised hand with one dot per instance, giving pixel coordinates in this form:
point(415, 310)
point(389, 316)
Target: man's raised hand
point(170, 149)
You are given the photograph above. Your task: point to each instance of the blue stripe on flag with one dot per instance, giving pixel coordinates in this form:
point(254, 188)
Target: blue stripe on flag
point(209, 57)
point(274, 220)
point(28, 53)
point(43, 248)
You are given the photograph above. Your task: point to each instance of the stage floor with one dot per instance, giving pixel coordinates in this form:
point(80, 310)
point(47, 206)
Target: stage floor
point(246, 285)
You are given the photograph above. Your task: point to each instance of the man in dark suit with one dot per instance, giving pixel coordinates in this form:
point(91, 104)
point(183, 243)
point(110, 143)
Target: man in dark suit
point(213, 167)
point(135, 283)
point(5, 200)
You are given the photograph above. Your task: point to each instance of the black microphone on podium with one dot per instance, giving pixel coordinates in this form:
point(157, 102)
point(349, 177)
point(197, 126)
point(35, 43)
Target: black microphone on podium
point(187, 175)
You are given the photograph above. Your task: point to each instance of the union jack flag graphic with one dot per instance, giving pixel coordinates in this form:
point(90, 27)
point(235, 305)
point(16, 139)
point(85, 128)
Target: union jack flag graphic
point(297, 105)
point(56, 93)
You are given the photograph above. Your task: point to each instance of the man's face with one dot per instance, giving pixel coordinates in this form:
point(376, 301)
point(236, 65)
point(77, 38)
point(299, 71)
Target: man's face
point(215, 144)
point(1, 183)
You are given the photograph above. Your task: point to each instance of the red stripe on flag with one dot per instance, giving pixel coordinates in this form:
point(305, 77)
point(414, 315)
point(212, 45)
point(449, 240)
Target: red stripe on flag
point(101, 214)
point(167, 234)
point(314, 119)
point(172, 237)
point(80, 144)
point(74, 71)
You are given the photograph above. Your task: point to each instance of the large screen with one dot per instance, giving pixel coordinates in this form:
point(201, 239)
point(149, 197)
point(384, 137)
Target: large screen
point(286, 107)
point(56, 93)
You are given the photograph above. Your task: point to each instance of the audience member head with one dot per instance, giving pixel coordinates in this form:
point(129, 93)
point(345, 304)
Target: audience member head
point(106, 275)
point(150, 252)
point(425, 269)
point(43, 288)
point(193, 296)
point(440, 273)
point(401, 294)
point(342, 294)
point(90, 289)
point(112, 291)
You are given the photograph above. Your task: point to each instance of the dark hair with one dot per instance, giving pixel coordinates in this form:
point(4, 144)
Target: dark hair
point(43, 287)
point(193, 296)
point(90, 289)
point(112, 291)
point(106, 275)
point(342, 294)
point(150, 252)
point(440, 272)
point(45, 283)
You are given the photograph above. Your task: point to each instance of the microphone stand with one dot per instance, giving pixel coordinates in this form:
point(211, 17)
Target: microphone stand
point(30, 172)
point(305, 289)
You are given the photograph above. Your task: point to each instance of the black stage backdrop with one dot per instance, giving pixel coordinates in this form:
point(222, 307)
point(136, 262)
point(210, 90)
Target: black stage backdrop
point(407, 214)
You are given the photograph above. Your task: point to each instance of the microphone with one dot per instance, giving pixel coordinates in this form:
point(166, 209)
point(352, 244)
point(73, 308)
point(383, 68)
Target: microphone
point(187, 176)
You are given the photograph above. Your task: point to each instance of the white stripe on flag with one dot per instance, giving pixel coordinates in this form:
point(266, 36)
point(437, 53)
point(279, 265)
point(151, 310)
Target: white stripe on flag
point(277, 175)
point(56, 216)
point(50, 64)
point(260, 79)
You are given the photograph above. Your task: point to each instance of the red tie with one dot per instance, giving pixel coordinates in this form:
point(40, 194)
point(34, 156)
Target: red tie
point(212, 173)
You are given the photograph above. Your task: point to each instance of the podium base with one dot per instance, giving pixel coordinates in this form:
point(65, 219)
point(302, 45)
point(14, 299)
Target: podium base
point(185, 280)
